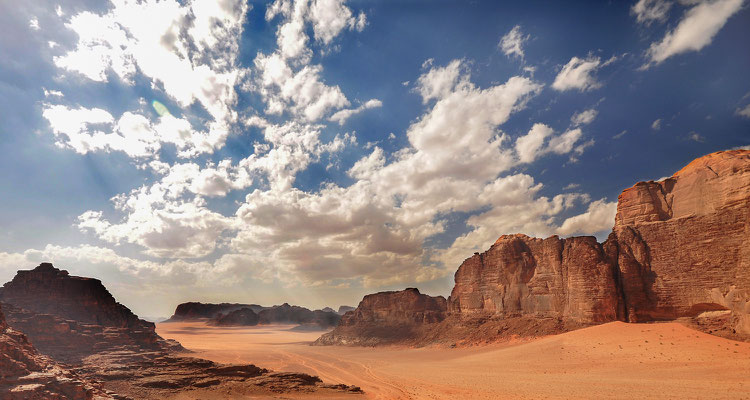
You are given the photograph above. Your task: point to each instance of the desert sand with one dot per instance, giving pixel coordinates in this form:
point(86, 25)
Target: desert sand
point(614, 360)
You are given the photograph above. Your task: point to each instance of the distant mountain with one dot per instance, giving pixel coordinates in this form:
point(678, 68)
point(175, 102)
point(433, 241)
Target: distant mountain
point(195, 311)
point(345, 309)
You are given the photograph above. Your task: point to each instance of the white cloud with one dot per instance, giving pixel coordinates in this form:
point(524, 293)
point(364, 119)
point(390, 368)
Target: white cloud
point(578, 74)
point(648, 11)
point(34, 24)
point(439, 82)
point(512, 43)
point(744, 112)
point(696, 137)
point(620, 135)
point(86, 130)
point(584, 117)
point(600, 216)
point(188, 49)
point(342, 115)
point(656, 125)
point(695, 30)
point(532, 145)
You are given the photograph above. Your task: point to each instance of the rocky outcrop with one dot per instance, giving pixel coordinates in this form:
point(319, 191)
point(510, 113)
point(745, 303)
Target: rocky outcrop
point(241, 317)
point(287, 314)
point(101, 341)
point(236, 315)
point(195, 311)
point(386, 317)
point(682, 245)
point(70, 317)
point(570, 278)
point(679, 249)
point(345, 309)
point(26, 374)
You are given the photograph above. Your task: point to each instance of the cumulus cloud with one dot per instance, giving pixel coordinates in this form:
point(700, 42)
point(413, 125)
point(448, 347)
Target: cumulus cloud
point(656, 125)
point(512, 43)
point(441, 81)
point(86, 130)
point(584, 117)
point(600, 216)
point(695, 30)
point(540, 140)
point(342, 115)
point(577, 74)
point(648, 11)
point(743, 112)
point(188, 49)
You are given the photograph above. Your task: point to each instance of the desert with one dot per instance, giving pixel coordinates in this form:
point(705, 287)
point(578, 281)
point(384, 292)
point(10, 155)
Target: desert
point(613, 361)
point(348, 199)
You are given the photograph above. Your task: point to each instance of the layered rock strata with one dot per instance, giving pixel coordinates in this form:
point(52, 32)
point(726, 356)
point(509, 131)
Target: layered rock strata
point(75, 320)
point(679, 250)
point(386, 317)
point(26, 374)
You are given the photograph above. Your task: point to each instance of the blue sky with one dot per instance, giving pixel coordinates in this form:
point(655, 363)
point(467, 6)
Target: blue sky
point(316, 151)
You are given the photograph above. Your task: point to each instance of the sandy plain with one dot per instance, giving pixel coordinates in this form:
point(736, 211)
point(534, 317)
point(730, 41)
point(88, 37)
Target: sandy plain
point(615, 361)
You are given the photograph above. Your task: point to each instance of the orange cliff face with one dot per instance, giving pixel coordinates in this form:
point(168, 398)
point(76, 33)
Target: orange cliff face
point(691, 253)
point(680, 248)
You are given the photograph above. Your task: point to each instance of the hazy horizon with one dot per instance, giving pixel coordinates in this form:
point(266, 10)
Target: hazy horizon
point(312, 152)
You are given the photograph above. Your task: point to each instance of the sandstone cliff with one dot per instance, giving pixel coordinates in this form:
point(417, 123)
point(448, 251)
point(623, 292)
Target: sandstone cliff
point(77, 321)
point(70, 317)
point(679, 249)
point(386, 317)
point(26, 374)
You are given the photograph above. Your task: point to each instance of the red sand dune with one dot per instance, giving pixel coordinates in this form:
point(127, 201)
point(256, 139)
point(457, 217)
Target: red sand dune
point(614, 360)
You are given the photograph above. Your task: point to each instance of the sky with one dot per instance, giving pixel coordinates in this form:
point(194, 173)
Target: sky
point(314, 151)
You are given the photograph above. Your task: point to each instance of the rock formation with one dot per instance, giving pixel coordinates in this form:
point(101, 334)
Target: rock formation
point(226, 314)
point(69, 317)
point(682, 245)
point(194, 311)
point(77, 321)
point(679, 249)
point(26, 374)
point(386, 317)
point(345, 309)
point(241, 317)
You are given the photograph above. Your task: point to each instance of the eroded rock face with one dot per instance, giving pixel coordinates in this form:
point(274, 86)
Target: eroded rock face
point(195, 311)
point(386, 317)
point(70, 317)
point(26, 374)
point(692, 254)
point(680, 249)
point(102, 342)
point(247, 316)
point(570, 278)
point(241, 317)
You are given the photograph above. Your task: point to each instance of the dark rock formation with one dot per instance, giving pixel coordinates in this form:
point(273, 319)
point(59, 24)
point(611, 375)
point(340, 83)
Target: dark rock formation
point(194, 311)
point(246, 316)
point(680, 249)
point(241, 317)
point(386, 317)
point(77, 321)
point(286, 314)
point(345, 309)
point(26, 374)
point(69, 317)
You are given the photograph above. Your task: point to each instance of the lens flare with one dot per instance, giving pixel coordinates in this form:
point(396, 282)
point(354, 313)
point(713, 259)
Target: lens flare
point(160, 109)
